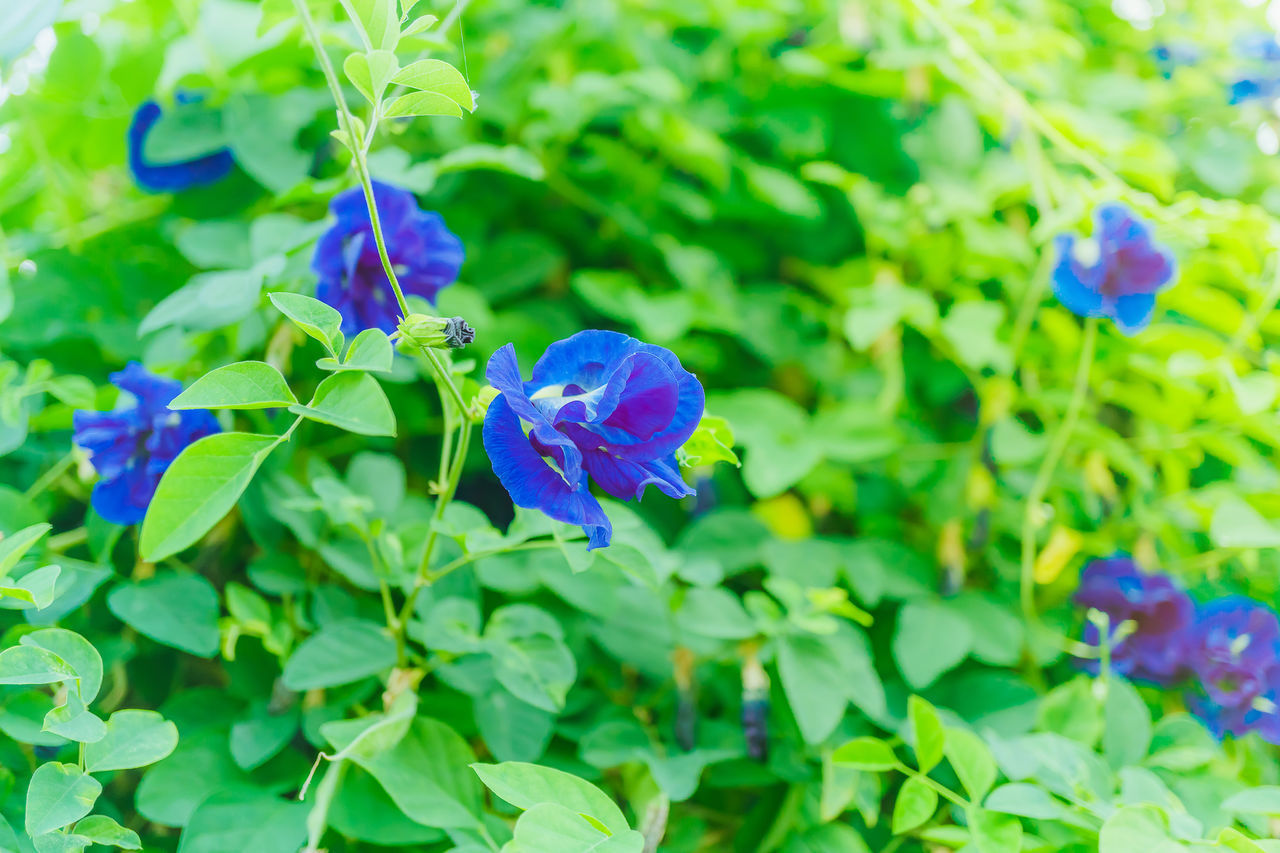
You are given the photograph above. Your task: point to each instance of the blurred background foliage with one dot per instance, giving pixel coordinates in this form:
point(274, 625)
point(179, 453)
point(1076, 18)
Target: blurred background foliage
point(839, 215)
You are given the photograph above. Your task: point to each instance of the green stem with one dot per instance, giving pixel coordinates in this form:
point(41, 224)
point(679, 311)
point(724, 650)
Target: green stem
point(48, 478)
point(318, 817)
point(1048, 467)
point(784, 821)
point(942, 790)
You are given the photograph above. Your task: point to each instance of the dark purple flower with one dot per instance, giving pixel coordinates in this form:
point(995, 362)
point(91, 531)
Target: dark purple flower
point(176, 176)
point(601, 406)
point(1123, 281)
point(1234, 650)
point(426, 256)
point(132, 447)
point(1159, 609)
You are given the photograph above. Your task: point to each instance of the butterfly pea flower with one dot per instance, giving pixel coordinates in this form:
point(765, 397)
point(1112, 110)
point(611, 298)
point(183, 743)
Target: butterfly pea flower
point(1122, 282)
point(1160, 612)
point(1233, 649)
point(600, 406)
point(171, 177)
point(425, 254)
point(133, 446)
point(1171, 55)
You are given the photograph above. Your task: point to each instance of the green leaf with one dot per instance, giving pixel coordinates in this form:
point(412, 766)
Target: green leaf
point(1263, 800)
point(256, 740)
point(246, 820)
point(528, 785)
point(199, 488)
point(811, 674)
point(74, 650)
point(262, 131)
point(994, 832)
point(243, 385)
point(437, 77)
point(377, 19)
point(370, 351)
point(371, 72)
point(537, 668)
point(320, 321)
point(714, 612)
point(1236, 524)
point(101, 829)
point(928, 737)
point(58, 795)
point(426, 774)
point(135, 738)
point(552, 828)
point(32, 665)
point(209, 300)
point(916, 803)
point(74, 722)
point(37, 588)
point(1233, 839)
point(972, 762)
point(1135, 828)
point(339, 653)
point(16, 545)
point(184, 132)
point(865, 753)
point(59, 842)
point(422, 104)
point(929, 639)
point(178, 610)
point(352, 401)
point(1127, 732)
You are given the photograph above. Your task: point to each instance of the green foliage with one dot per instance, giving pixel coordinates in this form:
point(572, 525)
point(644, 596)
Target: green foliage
point(840, 217)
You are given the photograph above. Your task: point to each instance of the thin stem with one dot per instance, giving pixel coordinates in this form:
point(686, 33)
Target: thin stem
point(441, 371)
point(942, 790)
point(1048, 466)
point(48, 478)
point(359, 146)
point(318, 817)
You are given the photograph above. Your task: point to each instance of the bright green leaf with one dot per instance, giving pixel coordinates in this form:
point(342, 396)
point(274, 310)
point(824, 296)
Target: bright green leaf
point(244, 385)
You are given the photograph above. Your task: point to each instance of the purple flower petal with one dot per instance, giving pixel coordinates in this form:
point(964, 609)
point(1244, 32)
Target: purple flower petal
point(170, 177)
point(533, 483)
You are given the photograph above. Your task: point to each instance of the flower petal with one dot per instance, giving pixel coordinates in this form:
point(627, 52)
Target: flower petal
point(626, 480)
point(503, 373)
point(1132, 313)
point(152, 392)
point(170, 177)
point(1077, 287)
point(532, 482)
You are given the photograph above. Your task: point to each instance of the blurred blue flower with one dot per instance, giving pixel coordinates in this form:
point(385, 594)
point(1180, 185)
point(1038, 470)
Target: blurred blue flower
point(1260, 45)
point(1169, 56)
point(601, 406)
point(1158, 608)
point(1122, 282)
point(426, 256)
point(1252, 88)
point(1234, 650)
point(177, 176)
point(132, 447)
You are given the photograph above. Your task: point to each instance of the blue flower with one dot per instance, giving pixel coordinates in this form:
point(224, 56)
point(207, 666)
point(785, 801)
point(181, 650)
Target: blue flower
point(1170, 56)
point(1253, 87)
point(1122, 282)
point(426, 256)
point(600, 407)
point(1234, 651)
point(1261, 46)
point(133, 446)
point(177, 176)
point(1159, 609)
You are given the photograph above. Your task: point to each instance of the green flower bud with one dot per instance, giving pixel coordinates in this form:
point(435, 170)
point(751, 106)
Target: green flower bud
point(426, 331)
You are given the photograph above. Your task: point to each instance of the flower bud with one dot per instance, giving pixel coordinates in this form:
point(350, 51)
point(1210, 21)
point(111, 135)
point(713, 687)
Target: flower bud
point(437, 332)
